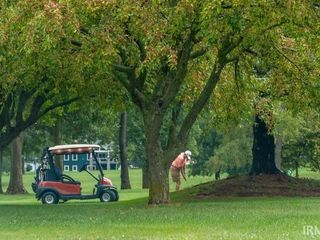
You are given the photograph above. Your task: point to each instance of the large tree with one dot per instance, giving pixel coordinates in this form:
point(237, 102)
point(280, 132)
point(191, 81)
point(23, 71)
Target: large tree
point(33, 67)
point(169, 57)
point(41, 68)
point(174, 53)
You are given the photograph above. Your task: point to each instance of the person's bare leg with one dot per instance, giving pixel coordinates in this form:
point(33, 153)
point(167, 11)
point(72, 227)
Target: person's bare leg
point(178, 185)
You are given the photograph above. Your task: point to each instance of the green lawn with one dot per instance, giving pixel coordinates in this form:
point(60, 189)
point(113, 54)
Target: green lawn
point(22, 217)
point(87, 183)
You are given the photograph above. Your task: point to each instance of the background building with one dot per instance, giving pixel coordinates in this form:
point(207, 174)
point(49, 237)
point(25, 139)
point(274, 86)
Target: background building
point(73, 162)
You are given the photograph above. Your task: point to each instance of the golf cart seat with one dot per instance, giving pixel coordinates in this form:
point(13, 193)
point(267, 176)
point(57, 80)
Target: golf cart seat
point(63, 177)
point(67, 179)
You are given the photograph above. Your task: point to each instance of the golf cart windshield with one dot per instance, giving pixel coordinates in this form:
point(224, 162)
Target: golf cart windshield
point(75, 149)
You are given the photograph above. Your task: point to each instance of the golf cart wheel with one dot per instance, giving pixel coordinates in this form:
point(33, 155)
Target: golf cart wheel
point(116, 196)
point(49, 198)
point(107, 196)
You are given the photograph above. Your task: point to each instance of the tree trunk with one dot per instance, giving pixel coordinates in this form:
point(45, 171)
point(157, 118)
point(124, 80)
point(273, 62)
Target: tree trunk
point(145, 176)
point(57, 140)
point(125, 181)
point(158, 181)
point(158, 167)
point(297, 169)
point(278, 152)
point(263, 150)
point(1, 190)
point(16, 180)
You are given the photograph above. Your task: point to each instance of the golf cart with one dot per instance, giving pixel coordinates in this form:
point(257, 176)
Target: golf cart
point(51, 185)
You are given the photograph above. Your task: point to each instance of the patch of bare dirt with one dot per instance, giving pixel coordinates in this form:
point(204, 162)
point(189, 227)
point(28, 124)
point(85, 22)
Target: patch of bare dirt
point(262, 185)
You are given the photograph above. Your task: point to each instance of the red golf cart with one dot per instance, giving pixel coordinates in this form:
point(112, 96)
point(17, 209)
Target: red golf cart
point(51, 185)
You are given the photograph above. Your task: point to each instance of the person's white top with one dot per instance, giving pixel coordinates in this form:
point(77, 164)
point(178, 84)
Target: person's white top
point(67, 146)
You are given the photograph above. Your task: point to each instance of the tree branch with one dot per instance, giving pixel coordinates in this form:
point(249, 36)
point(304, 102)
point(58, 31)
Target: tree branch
point(23, 97)
point(230, 60)
point(128, 73)
point(198, 53)
point(141, 79)
point(202, 99)
point(250, 51)
point(13, 132)
point(138, 42)
point(143, 53)
point(123, 69)
point(286, 57)
point(11, 111)
point(76, 43)
point(175, 79)
point(227, 46)
point(175, 112)
point(4, 115)
point(56, 105)
point(35, 109)
point(274, 26)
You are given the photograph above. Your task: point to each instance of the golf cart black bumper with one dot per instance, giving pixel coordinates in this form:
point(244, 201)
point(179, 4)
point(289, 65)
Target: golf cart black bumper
point(34, 186)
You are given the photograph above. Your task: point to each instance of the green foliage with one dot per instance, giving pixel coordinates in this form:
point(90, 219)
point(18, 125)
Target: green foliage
point(41, 65)
point(136, 139)
point(303, 148)
point(234, 155)
point(254, 22)
point(206, 143)
point(162, 54)
point(89, 122)
point(36, 138)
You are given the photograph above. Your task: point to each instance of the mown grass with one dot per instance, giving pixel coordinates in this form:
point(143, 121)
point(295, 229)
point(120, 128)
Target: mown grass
point(87, 184)
point(21, 217)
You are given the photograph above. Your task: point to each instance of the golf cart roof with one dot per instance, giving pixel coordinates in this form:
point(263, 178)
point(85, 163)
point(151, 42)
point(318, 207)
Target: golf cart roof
point(73, 148)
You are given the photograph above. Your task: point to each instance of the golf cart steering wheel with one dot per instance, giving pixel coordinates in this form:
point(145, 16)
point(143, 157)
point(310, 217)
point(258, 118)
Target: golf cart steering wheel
point(83, 167)
point(68, 178)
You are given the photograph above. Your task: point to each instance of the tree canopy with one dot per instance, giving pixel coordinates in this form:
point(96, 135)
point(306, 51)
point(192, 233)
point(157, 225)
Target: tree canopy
point(170, 58)
point(40, 65)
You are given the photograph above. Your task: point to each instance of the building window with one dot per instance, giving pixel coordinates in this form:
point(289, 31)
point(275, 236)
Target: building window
point(91, 168)
point(74, 167)
point(66, 157)
point(74, 157)
point(66, 168)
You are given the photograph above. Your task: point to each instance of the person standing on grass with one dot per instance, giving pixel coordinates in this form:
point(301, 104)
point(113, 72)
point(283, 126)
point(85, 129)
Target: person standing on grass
point(179, 166)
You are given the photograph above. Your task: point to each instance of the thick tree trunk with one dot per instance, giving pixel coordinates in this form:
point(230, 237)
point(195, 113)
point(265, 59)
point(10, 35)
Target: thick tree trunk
point(1, 190)
point(158, 164)
point(145, 176)
point(158, 181)
point(263, 150)
point(125, 180)
point(16, 180)
point(277, 153)
point(57, 140)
